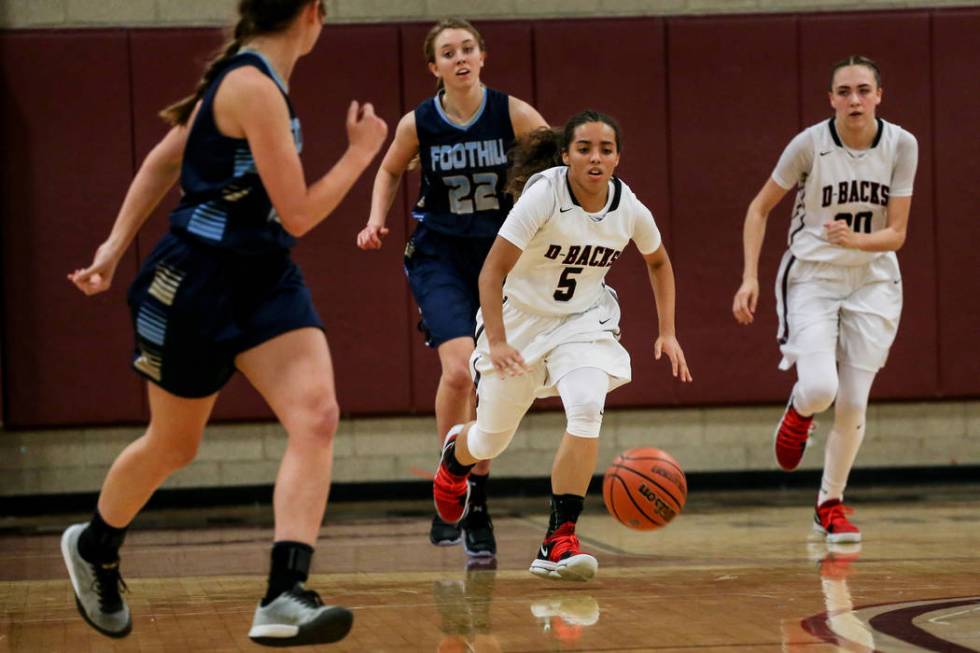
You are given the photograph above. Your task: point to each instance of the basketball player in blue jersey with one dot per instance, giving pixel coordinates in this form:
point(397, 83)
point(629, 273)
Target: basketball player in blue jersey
point(461, 138)
point(219, 293)
point(839, 288)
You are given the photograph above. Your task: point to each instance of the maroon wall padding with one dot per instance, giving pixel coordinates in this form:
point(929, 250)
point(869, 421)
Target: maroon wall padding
point(706, 105)
point(66, 162)
point(957, 196)
point(899, 43)
point(509, 49)
point(361, 296)
point(627, 82)
point(733, 108)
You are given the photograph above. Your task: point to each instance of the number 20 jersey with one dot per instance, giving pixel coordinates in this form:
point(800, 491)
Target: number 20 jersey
point(836, 183)
point(464, 167)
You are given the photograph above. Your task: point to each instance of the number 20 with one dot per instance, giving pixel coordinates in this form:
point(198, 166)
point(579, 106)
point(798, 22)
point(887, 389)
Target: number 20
point(860, 222)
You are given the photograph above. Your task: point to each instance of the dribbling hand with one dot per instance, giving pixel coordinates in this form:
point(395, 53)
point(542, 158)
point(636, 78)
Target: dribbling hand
point(743, 307)
point(678, 365)
point(366, 132)
point(507, 360)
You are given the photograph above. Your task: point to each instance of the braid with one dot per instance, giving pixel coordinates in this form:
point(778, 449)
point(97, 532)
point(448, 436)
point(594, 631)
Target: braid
point(256, 17)
point(180, 111)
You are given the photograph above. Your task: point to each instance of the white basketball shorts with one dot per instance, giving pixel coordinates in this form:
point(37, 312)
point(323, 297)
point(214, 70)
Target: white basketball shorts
point(852, 311)
point(554, 346)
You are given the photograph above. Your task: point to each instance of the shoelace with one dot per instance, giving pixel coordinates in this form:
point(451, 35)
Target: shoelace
point(478, 518)
point(449, 487)
point(309, 598)
point(564, 542)
point(795, 430)
point(837, 515)
point(107, 584)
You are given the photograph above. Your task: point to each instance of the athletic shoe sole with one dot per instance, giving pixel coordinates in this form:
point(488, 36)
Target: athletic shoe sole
point(331, 626)
point(579, 568)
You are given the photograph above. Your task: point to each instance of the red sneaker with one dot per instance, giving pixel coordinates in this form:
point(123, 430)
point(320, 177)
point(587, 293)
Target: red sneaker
point(559, 557)
point(831, 520)
point(451, 493)
point(791, 437)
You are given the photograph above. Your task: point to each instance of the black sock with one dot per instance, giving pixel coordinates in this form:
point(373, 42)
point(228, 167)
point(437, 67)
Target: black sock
point(564, 508)
point(455, 467)
point(478, 489)
point(290, 565)
point(99, 543)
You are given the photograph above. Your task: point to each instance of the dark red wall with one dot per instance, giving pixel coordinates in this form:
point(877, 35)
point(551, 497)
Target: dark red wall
point(706, 105)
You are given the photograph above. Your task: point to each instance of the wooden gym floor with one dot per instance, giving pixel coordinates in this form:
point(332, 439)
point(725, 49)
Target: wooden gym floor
point(735, 572)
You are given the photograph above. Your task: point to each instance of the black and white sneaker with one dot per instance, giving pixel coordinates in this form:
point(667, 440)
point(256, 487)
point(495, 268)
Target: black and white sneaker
point(96, 588)
point(299, 617)
point(478, 539)
point(443, 534)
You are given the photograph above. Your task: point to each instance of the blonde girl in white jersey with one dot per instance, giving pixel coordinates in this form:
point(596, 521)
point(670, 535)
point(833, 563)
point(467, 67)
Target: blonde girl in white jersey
point(839, 289)
point(548, 324)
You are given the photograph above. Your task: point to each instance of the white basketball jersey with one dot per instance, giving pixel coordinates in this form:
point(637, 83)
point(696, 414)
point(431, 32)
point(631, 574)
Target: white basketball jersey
point(836, 183)
point(566, 250)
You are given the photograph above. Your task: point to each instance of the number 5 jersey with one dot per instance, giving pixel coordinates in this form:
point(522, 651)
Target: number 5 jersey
point(567, 251)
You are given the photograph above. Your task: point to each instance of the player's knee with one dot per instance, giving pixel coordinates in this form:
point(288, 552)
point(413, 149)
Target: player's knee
point(815, 396)
point(456, 375)
point(313, 418)
point(584, 418)
point(485, 445)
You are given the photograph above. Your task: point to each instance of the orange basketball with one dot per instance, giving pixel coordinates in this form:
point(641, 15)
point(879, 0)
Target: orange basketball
point(644, 488)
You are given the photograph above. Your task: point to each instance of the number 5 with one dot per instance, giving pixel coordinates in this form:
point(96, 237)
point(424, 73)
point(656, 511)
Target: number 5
point(566, 285)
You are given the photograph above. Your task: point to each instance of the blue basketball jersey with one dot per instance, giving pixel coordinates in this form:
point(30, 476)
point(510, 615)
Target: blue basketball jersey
point(224, 202)
point(464, 167)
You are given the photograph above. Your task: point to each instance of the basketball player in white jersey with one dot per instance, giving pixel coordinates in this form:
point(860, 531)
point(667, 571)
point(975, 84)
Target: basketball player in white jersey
point(839, 289)
point(552, 328)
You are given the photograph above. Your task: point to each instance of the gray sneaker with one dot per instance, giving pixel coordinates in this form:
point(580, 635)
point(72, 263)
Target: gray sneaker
point(299, 617)
point(96, 588)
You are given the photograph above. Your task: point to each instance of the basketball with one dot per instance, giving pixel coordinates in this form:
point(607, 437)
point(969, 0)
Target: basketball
point(644, 488)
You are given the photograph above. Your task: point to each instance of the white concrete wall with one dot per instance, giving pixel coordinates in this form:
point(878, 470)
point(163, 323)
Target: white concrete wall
point(702, 439)
point(108, 13)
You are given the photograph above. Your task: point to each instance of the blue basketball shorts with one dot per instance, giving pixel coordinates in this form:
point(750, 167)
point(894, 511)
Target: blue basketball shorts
point(443, 272)
point(196, 307)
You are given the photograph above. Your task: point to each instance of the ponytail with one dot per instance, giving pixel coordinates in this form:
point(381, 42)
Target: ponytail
point(535, 151)
point(180, 111)
point(255, 17)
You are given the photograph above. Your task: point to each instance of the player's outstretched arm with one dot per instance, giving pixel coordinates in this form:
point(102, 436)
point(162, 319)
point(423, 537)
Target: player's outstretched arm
point(661, 275)
point(158, 173)
point(402, 151)
point(753, 233)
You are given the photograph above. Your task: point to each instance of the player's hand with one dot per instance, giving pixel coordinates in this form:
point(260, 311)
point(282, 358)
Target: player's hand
point(743, 307)
point(366, 132)
point(840, 233)
point(507, 360)
point(97, 277)
point(678, 365)
point(370, 236)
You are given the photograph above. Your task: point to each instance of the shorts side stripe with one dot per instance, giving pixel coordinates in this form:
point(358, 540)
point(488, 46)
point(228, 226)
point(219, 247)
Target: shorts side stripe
point(782, 305)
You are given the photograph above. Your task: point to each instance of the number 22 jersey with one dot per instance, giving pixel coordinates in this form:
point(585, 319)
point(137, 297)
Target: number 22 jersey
point(464, 167)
